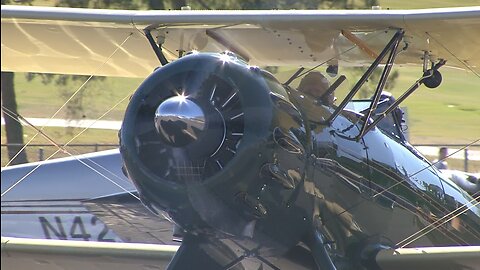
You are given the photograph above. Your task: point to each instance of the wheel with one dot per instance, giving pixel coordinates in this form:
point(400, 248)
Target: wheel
point(433, 81)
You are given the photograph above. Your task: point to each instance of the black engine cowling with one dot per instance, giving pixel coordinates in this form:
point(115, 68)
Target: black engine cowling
point(216, 144)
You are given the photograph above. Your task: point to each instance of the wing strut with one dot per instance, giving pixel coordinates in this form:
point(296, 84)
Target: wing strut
point(392, 48)
point(380, 86)
point(156, 48)
point(431, 78)
point(361, 44)
point(428, 76)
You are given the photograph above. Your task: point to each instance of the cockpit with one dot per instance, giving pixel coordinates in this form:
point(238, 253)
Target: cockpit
point(394, 122)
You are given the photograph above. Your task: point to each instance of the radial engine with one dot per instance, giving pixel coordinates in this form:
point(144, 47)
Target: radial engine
point(219, 147)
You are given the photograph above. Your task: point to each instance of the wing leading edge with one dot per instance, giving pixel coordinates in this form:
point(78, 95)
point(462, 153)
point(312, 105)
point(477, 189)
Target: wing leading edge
point(112, 43)
point(18, 253)
point(62, 254)
point(440, 258)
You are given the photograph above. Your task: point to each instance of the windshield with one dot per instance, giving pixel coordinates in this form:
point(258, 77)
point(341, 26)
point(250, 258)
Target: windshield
point(390, 125)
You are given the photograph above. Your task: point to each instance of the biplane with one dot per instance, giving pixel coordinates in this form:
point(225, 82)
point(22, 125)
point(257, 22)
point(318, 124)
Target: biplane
point(246, 171)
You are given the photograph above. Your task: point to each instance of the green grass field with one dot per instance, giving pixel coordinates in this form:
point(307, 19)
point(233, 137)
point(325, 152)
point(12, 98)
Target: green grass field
point(449, 114)
point(98, 97)
point(63, 136)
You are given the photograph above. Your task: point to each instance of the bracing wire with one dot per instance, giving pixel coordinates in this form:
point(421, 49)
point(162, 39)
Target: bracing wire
point(71, 97)
point(63, 149)
point(377, 193)
point(455, 56)
point(432, 226)
point(423, 169)
point(40, 131)
point(404, 242)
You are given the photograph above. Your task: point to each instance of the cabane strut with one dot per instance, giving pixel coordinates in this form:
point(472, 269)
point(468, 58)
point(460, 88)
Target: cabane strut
point(431, 78)
point(156, 48)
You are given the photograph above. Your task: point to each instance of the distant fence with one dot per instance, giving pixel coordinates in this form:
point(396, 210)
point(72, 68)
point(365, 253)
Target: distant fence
point(454, 149)
point(39, 152)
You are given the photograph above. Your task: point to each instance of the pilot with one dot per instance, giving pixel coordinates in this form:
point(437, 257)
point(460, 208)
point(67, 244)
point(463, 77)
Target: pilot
point(316, 85)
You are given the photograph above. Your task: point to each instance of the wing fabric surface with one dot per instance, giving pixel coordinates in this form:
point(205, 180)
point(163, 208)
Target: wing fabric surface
point(130, 220)
point(112, 42)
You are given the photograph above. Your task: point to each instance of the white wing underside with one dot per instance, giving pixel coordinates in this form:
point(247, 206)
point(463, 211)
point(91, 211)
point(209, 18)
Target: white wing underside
point(82, 41)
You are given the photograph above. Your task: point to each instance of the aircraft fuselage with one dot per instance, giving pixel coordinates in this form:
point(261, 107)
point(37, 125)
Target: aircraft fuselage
point(272, 176)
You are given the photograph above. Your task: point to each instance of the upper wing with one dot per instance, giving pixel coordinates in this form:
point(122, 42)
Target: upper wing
point(112, 42)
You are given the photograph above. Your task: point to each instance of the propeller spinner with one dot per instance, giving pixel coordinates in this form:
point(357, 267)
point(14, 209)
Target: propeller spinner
point(179, 121)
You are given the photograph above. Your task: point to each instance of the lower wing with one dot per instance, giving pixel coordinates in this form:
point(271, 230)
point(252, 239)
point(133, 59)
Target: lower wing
point(59, 254)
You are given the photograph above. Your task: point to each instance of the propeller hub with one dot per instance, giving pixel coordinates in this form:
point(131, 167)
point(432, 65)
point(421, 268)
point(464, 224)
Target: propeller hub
point(179, 121)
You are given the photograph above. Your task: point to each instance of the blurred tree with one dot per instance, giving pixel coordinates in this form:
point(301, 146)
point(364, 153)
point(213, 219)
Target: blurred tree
point(282, 4)
point(22, 2)
point(155, 4)
point(13, 128)
point(368, 89)
point(67, 85)
point(178, 4)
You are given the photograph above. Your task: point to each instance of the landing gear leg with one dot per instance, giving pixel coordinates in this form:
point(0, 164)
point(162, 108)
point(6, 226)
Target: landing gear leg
point(319, 251)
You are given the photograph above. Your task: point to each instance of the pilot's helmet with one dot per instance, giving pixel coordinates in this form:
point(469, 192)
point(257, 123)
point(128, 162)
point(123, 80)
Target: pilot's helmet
point(387, 95)
point(314, 83)
point(388, 99)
